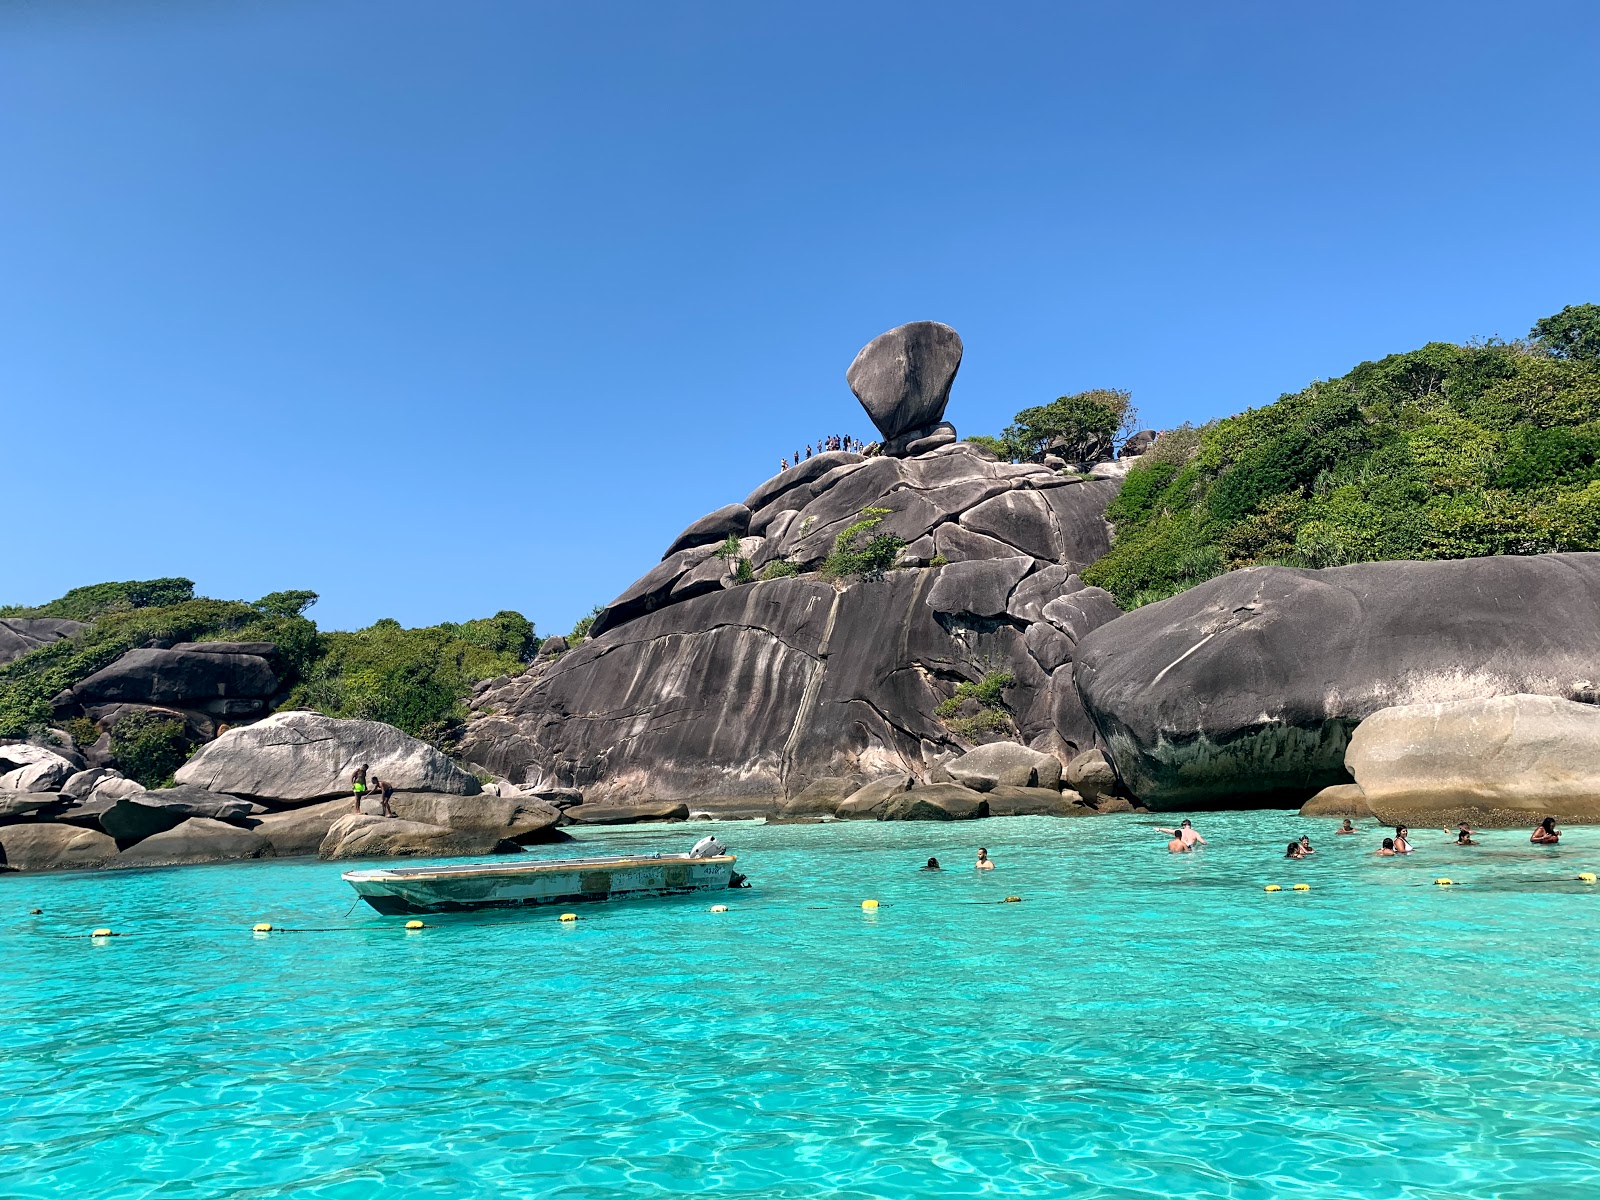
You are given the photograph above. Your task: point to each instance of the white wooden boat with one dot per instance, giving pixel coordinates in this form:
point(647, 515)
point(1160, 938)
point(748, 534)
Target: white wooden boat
point(549, 881)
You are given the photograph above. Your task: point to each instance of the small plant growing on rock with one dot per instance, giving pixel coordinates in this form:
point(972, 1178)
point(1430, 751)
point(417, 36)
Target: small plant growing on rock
point(778, 568)
point(729, 547)
point(938, 560)
point(978, 708)
point(851, 558)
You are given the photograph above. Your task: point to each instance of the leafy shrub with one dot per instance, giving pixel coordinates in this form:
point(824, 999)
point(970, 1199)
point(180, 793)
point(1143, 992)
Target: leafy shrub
point(286, 604)
point(1084, 425)
point(580, 631)
point(779, 568)
point(996, 446)
point(744, 572)
point(1445, 452)
point(729, 548)
point(938, 560)
point(988, 720)
point(851, 558)
point(149, 747)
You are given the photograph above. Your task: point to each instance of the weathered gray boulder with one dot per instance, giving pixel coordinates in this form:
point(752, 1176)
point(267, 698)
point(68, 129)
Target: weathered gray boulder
point(1007, 801)
point(903, 377)
point(822, 797)
point(1092, 776)
point(936, 802)
point(23, 635)
point(362, 836)
point(922, 440)
point(80, 784)
point(295, 757)
point(301, 830)
point(730, 519)
point(178, 677)
point(29, 768)
point(870, 800)
point(523, 820)
point(627, 814)
point(979, 588)
point(1136, 444)
point(1244, 690)
point(552, 646)
point(194, 840)
point(115, 788)
point(133, 818)
point(1340, 800)
point(1506, 760)
point(14, 805)
point(49, 846)
point(1005, 763)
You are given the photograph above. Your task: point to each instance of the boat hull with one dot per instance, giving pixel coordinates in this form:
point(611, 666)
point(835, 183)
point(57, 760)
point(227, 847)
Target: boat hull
point(463, 888)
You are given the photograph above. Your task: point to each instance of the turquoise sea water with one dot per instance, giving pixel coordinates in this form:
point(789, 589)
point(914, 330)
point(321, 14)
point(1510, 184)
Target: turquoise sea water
point(1141, 1025)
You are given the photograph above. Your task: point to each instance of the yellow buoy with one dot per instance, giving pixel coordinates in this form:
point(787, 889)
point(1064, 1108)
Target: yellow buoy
point(1272, 887)
point(1302, 887)
point(263, 927)
point(1586, 877)
point(1012, 900)
point(1443, 882)
point(568, 917)
point(414, 925)
point(719, 908)
point(869, 904)
point(102, 933)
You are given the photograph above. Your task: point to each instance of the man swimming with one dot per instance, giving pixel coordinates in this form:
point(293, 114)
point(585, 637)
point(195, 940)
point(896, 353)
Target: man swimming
point(1177, 845)
point(1347, 827)
point(1386, 850)
point(1186, 832)
point(984, 863)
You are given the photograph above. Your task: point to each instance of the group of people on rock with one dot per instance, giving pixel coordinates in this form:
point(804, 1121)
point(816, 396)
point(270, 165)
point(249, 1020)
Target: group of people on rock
point(838, 441)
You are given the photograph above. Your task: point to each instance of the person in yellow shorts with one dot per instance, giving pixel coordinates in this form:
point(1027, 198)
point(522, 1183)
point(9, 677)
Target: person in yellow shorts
point(358, 784)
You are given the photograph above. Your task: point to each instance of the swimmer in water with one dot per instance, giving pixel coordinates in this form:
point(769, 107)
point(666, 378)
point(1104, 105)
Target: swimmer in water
point(1347, 827)
point(984, 862)
point(1547, 834)
point(1401, 844)
point(1386, 850)
point(1305, 847)
point(1177, 845)
point(1296, 850)
point(1186, 832)
point(1463, 835)
point(933, 865)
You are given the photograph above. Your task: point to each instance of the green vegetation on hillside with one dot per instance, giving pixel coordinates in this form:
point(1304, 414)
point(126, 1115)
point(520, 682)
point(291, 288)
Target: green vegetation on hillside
point(850, 557)
point(417, 679)
point(1084, 425)
point(1446, 452)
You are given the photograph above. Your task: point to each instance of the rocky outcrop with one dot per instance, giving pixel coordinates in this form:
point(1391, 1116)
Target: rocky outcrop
point(822, 797)
point(936, 802)
point(1505, 760)
point(363, 836)
point(28, 768)
point(903, 377)
point(23, 635)
point(699, 688)
point(1007, 801)
point(522, 820)
point(1244, 690)
point(869, 802)
point(1005, 764)
point(144, 814)
point(302, 830)
point(296, 757)
point(50, 846)
point(627, 814)
point(1091, 775)
point(195, 840)
point(1340, 800)
point(225, 682)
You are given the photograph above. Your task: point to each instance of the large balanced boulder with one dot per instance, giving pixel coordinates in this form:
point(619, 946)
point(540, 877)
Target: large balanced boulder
point(185, 678)
point(296, 757)
point(1005, 763)
point(48, 846)
point(903, 377)
point(133, 818)
point(23, 635)
point(195, 840)
point(936, 802)
point(1244, 690)
point(363, 836)
point(1505, 760)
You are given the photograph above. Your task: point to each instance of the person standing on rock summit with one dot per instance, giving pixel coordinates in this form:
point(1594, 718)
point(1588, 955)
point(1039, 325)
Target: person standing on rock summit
point(358, 784)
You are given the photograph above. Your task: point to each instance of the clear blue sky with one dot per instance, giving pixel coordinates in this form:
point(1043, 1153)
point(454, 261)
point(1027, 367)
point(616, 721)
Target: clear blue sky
point(443, 308)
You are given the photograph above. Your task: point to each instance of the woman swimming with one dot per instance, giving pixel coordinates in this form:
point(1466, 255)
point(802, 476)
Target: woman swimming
point(1401, 844)
point(1295, 850)
point(1547, 834)
point(1305, 847)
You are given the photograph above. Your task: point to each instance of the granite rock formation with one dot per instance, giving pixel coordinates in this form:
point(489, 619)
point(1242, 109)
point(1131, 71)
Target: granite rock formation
point(22, 635)
point(1504, 760)
point(903, 378)
point(1244, 690)
point(737, 696)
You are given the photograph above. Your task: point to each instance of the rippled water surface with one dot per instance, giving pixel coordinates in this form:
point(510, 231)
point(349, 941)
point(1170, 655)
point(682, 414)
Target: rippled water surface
point(1141, 1025)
